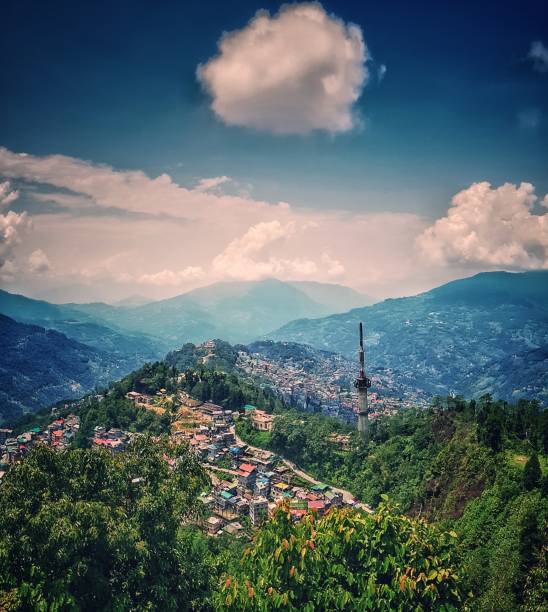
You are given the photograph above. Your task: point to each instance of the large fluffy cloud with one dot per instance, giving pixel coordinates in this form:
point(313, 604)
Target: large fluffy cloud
point(492, 227)
point(241, 258)
point(12, 225)
point(296, 71)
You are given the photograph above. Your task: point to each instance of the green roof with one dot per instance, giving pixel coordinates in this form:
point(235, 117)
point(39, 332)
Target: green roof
point(249, 407)
point(320, 487)
point(36, 430)
point(226, 494)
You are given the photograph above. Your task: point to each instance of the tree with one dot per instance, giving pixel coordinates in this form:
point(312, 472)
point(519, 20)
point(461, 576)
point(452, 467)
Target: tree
point(88, 530)
point(532, 473)
point(346, 560)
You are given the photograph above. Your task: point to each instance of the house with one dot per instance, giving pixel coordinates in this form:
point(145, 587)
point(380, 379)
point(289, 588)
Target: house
point(247, 475)
point(214, 523)
point(261, 420)
point(234, 529)
point(258, 511)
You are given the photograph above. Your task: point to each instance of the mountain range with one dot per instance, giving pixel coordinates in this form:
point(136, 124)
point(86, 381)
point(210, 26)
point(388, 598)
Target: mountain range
point(234, 311)
point(39, 367)
point(484, 334)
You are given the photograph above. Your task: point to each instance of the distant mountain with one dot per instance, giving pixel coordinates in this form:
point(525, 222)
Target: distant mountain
point(39, 367)
point(335, 298)
point(133, 300)
point(234, 311)
point(487, 333)
point(133, 348)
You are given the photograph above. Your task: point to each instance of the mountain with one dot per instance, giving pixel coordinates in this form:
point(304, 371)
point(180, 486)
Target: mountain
point(39, 367)
point(133, 300)
point(89, 328)
point(487, 333)
point(336, 298)
point(234, 311)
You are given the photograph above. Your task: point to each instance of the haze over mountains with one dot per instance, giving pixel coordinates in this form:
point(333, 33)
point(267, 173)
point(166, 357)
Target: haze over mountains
point(488, 333)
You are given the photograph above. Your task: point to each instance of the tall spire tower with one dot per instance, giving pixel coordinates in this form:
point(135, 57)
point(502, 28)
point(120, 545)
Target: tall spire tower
point(362, 384)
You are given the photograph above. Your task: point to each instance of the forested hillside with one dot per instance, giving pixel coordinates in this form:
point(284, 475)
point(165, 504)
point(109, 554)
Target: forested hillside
point(38, 367)
point(468, 466)
point(485, 334)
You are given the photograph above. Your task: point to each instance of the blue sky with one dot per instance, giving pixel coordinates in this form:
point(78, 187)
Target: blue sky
point(115, 83)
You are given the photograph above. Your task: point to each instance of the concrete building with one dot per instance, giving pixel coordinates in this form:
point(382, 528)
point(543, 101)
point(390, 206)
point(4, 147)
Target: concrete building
point(258, 511)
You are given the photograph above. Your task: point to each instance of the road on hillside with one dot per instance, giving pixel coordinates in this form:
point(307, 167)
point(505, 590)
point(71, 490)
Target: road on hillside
point(346, 495)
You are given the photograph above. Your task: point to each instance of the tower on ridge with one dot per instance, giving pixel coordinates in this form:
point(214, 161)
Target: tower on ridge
point(362, 384)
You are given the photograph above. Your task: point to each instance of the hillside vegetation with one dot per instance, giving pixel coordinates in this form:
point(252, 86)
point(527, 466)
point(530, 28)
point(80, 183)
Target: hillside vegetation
point(463, 465)
point(38, 367)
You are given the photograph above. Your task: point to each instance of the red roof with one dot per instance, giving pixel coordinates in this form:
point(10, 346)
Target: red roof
point(58, 433)
point(247, 467)
point(297, 512)
point(316, 505)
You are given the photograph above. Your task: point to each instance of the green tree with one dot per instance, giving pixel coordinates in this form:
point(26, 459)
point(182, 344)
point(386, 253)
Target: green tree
point(346, 560)
point(532, 473)
point(87, 530)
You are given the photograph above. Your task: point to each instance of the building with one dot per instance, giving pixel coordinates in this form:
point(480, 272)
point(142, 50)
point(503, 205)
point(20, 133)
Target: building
point(247, 474)
point(258, 511)
point(261, 420)
point(214, 523)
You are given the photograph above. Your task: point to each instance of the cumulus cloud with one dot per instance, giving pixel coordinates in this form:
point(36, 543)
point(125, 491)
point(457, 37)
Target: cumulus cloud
point(294, 72)
point(538, 55)
point(211, 183)
point(39, 262)
point(12, 226)
point(241, 258)
point(333, 267)
point(493, 227)
point(7, 194)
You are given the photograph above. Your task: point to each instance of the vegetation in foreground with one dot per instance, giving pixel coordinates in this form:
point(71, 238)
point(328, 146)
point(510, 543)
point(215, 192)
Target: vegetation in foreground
point(472, 467)
point(87, 530)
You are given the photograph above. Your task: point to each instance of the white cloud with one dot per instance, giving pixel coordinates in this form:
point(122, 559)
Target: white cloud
point(333, 267)
point(381, 72)
point(294, 72)
point(39, 262)
point(490, 227)
point(211, 183)
point(538, 54)
point(7, 195)
point(241, 258)
point(12, 226)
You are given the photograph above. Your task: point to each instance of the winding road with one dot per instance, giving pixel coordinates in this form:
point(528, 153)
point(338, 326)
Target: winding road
point(346, 495)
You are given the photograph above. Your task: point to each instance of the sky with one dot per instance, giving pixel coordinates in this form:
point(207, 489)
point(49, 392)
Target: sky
point(151, 148)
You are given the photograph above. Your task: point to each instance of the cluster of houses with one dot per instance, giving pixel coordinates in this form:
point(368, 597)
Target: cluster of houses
point(255, 491)
point(113, 439)
point(315, 385)
point(59, 434)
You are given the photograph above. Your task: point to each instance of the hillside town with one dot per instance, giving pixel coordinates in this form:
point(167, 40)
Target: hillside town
point(322, 384)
